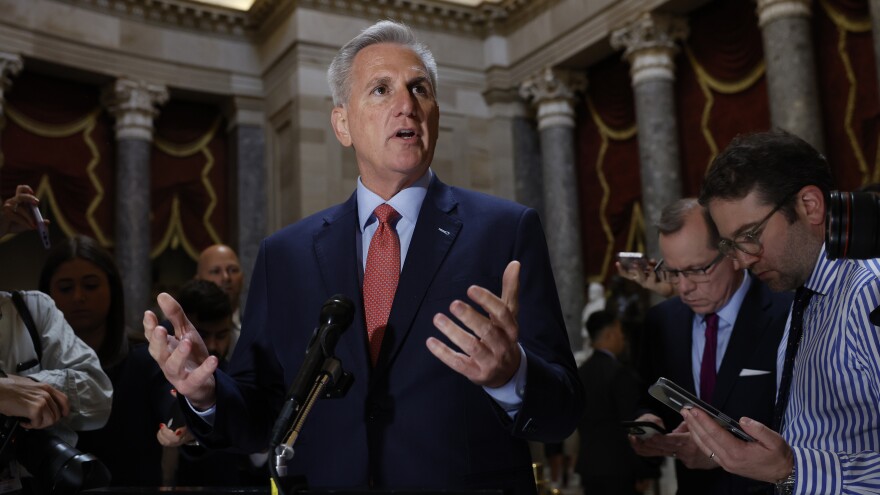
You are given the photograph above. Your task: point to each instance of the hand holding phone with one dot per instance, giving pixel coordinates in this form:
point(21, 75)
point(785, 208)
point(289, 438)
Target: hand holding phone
point(677, 398)
point(643, 429)
point(41, 227)
point(630, 261)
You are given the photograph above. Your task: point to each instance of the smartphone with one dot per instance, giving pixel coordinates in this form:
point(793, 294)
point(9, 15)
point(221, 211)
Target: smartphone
point(41, 227)
point(677, 398)
point(632, 261)
point(643, 429)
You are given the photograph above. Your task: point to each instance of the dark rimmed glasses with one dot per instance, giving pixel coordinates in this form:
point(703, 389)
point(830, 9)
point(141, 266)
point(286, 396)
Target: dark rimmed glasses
point(695, 275)
point(749, 242)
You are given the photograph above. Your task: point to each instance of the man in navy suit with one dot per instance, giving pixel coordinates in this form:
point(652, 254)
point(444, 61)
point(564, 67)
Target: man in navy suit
point(606, 463)
point(741, 379)
point(442, 402)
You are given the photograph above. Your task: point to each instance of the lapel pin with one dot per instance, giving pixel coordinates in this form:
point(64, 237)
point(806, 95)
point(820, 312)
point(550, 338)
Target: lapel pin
point(445, 232)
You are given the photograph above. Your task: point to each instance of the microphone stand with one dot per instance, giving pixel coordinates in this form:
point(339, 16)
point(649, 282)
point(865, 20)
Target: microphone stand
point(331, 382)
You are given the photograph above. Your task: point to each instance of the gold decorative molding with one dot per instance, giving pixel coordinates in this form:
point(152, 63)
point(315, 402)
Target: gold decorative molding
point(85, 126)
point(709, 83)
point(175, 234)
point(844, 26)
point(608, 133)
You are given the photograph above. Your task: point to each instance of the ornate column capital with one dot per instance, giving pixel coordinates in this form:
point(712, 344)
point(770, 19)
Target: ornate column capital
point(649, 44)
point(10, 65)
point(771, 10)
point(553, 92)
point(133, 105)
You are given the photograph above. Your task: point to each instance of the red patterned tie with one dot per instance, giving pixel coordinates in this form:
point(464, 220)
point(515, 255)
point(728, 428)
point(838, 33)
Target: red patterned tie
point(380, 277)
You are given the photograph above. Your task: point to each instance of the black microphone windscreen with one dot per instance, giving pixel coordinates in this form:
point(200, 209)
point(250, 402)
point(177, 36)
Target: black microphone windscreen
point(337, 311)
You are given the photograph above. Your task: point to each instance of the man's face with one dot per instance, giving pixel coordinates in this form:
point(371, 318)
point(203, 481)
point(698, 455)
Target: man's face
point(219, 264)
point(689, 249)
point(786, 255)
point(391, 117)
point(217, 335)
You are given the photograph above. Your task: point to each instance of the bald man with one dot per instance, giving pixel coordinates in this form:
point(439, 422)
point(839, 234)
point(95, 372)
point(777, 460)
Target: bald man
point(219, 264)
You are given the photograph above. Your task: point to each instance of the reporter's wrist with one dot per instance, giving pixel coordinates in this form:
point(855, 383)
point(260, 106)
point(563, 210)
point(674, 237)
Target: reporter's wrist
point(785, 485)
point(202, 406)
point(787, 476)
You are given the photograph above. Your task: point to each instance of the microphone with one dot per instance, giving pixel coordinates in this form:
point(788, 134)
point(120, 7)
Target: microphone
point(337, 313)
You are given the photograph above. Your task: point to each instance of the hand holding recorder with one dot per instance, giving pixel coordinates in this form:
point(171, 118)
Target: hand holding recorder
point(20, 213)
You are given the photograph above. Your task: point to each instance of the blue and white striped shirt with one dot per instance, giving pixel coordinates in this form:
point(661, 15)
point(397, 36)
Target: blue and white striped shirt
point(833, 417)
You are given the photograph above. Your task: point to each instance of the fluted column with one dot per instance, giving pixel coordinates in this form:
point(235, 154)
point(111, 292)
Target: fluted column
point(553, 93)
point(650, 48)
point(249, 201)
point(10, 65)
point(791, 68)
point(134, 106)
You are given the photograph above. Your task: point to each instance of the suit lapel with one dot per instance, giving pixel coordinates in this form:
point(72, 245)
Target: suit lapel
point(680, 347)
point(750, 322)
point(336, 253)
point(435, 233)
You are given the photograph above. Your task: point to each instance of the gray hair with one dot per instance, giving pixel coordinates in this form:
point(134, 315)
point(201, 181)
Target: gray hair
point(339, 73)
point(673, 217)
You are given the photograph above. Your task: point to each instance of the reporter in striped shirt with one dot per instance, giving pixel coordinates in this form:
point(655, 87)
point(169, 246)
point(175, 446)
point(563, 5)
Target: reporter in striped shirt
point(767, 194)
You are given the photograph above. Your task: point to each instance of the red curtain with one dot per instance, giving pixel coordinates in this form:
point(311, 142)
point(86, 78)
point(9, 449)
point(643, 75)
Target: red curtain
point(59, 139)
point(720, 91)
point(189, 178)
point(608, 168)
point(847, 81)
point(720, 86)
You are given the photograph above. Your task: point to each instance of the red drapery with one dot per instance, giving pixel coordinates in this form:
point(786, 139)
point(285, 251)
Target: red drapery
point(58, 139)
point(847, 81)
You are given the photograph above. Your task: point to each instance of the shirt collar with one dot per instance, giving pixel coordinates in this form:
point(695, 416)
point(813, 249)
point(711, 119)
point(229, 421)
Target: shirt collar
point(407, 202)
point(820, 281)
point(731, 309)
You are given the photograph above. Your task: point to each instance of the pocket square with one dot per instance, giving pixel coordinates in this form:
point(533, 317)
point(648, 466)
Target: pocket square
point(748, 372)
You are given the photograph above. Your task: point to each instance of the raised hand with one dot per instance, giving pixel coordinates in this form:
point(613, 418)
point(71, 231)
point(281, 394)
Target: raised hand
point(183, 356)
point(490, 354)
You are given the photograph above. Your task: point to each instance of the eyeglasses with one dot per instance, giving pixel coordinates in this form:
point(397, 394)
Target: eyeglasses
point(695, 275)
point(750, 242)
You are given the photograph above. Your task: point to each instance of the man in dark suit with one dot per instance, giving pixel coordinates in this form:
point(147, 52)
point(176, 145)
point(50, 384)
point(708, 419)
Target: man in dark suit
point(437, 402)
point(737, 374)
point(606, 463)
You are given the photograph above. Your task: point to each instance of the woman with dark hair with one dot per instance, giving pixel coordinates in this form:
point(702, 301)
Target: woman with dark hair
point(82, 278)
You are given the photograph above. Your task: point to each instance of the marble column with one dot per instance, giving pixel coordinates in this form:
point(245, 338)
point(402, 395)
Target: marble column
point(10, 65)
point(133, 104)
point(553, 93)
point(649, 44)
point(518, 132)
point(529, 183)
point(791, 68)
point(248, 187)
